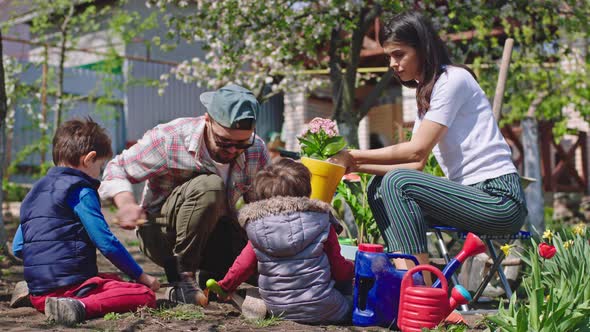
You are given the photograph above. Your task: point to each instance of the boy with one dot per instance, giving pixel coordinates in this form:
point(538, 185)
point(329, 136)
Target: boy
point(61, 227)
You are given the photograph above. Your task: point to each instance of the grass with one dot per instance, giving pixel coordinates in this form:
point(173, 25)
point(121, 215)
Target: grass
point(451, 328)
point(271, 321)
point(132, 243)
point(182, 312)
point(117, 316)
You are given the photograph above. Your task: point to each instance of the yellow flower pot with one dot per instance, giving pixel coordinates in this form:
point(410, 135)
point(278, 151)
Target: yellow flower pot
point(325, 177)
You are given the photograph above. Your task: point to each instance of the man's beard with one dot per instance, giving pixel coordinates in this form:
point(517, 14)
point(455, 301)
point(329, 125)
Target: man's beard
point(224, 158)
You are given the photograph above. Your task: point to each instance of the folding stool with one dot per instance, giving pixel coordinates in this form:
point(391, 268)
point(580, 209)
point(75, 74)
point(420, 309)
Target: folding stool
point(496, 257)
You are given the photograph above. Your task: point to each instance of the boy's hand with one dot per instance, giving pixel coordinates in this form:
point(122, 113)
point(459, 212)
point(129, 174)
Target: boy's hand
point(226, 298)
point(149, 281)
point(222, 295)
point(129, 214)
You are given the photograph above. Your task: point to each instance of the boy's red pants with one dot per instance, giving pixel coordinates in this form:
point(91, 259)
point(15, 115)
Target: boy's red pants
point(103, 294)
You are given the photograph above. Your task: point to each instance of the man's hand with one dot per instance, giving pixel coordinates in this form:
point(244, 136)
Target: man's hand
point(149, 281)
point(129, 212)
point(129, 215)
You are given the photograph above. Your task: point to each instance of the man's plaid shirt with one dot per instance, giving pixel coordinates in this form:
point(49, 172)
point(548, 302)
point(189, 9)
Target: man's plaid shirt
point(171, 154)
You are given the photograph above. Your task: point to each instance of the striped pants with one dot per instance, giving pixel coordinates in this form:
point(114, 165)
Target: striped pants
point(404, 202)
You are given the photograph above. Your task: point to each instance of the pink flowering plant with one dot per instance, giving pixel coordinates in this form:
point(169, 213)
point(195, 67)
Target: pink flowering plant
point(321, 140)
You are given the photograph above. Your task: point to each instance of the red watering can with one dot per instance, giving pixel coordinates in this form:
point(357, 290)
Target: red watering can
point(422, 306)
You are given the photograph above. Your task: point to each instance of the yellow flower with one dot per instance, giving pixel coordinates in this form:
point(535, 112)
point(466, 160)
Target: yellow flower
point(579, 229)
point(568, 244)
point(548, 234)
point(506, 248)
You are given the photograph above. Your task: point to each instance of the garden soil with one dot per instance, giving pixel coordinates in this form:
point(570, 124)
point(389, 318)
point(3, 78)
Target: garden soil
point(216, 317)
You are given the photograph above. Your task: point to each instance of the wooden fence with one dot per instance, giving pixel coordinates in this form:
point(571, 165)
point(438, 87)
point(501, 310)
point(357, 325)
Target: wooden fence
point(558, 163)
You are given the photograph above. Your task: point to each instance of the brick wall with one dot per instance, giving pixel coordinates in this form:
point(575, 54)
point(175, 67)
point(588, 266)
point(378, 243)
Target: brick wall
point(294, 120)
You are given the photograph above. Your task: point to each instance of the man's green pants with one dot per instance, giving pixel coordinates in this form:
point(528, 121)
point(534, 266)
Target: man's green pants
point(196, 229)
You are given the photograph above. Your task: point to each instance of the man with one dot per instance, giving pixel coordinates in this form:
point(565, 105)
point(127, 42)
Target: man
point(195, 169)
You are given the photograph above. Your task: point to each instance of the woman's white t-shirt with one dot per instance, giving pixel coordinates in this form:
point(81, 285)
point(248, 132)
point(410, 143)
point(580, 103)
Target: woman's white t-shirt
point(473, 149)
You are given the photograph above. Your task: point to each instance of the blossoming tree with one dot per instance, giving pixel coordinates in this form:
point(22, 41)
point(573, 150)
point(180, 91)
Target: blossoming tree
point(275, 43)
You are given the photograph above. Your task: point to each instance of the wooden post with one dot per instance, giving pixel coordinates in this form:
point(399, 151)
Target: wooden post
point(584, 147)
point(500, 87)
point(546, 137)
point(532, 169)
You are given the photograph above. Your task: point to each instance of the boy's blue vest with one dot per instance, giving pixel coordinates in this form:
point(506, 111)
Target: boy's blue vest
point(57, 251)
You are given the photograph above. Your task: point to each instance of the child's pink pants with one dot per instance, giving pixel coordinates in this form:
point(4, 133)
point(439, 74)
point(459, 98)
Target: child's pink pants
point(103, 294)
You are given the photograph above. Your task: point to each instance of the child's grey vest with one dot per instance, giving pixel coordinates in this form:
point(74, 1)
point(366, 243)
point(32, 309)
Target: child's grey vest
point(288, 235)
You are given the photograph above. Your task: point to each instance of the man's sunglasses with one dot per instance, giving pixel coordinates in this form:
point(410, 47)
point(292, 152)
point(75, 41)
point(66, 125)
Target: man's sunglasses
point(224, 144)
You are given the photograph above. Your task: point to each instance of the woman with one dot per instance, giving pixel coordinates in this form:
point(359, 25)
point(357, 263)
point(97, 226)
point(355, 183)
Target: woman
point(482, 191)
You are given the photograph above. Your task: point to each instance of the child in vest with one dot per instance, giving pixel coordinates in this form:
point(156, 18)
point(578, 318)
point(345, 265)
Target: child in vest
point(61, 228)
point(293, 243)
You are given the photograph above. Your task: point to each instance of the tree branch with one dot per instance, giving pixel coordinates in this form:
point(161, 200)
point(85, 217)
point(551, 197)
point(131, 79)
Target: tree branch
point(260, 93)
point(355, 52)
point(335, 71)
point(269, 95)
point(367, 16)
point(62, 58)
point(3, 98)
point(3, 112)
point(375, 93)
point(535, 103)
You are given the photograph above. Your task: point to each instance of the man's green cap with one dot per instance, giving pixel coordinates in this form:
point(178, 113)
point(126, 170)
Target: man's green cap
point(230, 105)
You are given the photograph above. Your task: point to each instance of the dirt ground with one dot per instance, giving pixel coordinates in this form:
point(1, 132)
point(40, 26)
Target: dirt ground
point(215, 317)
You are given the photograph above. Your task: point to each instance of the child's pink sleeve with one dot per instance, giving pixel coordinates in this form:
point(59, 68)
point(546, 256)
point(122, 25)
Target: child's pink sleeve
point(342, 270)
point(244, 266)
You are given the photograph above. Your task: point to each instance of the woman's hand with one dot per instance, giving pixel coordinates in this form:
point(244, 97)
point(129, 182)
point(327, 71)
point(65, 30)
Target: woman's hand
point(344, 158)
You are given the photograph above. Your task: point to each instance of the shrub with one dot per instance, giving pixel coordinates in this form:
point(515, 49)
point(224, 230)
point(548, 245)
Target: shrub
point(355, 195)
point(14, 192)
